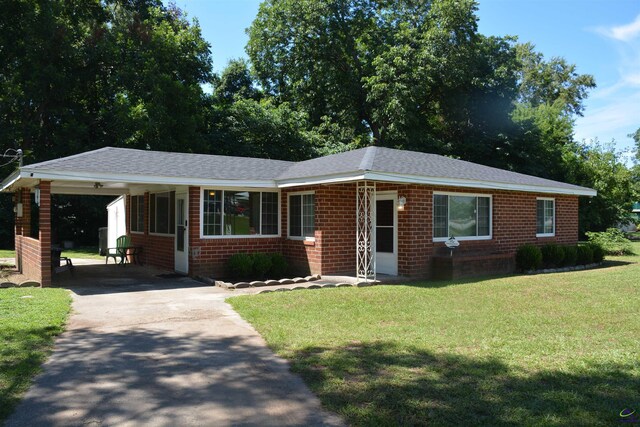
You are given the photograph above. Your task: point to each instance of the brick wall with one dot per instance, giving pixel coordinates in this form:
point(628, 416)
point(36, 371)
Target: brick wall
point(157, 250)
point(514, 224)
point(333, 251)
point(209, 256)
point(33, 256)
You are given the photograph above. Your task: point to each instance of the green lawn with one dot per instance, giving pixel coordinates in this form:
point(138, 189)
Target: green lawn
point(87, 252)
point(29, 320)
point(7, 253)
point(555, 349)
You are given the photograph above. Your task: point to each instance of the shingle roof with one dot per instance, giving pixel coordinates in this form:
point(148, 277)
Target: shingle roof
point(379, 160)
point(165, 164)
point(388, 160)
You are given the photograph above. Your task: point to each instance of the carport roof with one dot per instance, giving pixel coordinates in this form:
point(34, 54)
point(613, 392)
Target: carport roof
point(133, 167)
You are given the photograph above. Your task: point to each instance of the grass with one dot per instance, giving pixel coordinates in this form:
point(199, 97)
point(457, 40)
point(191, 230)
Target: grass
point(7, 253)
point(552, 349)
point(29, 320)
point(86, 252)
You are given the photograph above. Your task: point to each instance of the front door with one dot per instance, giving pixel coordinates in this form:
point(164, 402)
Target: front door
point(182, 236)
point(386, 234)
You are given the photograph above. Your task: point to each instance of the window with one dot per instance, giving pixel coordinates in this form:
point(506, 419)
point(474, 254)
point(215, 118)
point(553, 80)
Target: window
point(545, 217)
point(137, 214)
point(162, 208)
point(239, 213)
point(302, 215)
point(461, 216)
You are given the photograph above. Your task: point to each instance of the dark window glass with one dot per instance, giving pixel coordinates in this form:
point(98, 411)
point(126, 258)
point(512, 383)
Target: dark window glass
point(269, 213)
point(295, 215)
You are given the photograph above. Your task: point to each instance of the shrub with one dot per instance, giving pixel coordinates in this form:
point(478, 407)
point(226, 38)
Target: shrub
point(585, 255)
point(552, 255)
point(570, 256)
point(279, 266)
point(240, 265)
point(598, 252)
point(612, 241)
point(261, 264)
point(528, 257)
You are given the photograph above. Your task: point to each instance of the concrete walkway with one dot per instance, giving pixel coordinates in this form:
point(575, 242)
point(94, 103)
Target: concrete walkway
point(164, 353)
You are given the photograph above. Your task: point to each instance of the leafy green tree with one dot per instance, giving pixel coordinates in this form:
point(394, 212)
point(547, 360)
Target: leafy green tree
point(82, 75)
point(602, 168)
point(253, 128)
point(235, 81)
point(380, 68)
point(636, 139)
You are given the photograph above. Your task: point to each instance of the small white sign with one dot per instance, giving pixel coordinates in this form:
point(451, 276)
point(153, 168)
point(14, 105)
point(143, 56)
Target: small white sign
point(452, 243)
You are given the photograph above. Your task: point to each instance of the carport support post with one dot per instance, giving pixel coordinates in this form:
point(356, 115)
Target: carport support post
point(45, 233)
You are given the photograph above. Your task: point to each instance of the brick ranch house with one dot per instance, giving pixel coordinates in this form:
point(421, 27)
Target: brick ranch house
point(363, 212)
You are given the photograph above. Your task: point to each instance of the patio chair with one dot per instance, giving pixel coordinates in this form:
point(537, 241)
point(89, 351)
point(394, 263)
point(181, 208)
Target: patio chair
point(122, 244)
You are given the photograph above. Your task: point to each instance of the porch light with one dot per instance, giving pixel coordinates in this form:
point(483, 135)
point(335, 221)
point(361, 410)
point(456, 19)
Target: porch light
point(401, 202)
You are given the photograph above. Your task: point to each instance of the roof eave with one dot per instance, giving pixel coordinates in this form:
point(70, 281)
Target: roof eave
point(450, 182)
point(7, 183)
point(468, 183)
point(53, 175)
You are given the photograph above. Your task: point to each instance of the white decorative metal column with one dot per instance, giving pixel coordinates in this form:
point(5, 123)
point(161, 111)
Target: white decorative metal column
point(365, 244)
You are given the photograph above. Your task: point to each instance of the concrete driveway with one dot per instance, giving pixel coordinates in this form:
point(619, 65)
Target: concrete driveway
point(167, 353)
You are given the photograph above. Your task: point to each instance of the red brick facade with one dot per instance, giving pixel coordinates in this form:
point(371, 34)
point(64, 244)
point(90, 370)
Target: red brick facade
point(33, 256)
point(334, 248)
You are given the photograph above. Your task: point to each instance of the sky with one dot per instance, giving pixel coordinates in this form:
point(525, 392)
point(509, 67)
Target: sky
point(602, 37)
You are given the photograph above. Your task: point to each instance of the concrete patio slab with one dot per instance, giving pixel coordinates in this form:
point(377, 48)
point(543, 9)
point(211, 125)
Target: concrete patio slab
point(164, 353)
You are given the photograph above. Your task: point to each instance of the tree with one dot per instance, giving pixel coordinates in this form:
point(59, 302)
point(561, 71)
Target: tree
point(235, 81)
point(602, 168)
point(636, 139)
point(377, 67)
point(419, 76)
point(78, 76)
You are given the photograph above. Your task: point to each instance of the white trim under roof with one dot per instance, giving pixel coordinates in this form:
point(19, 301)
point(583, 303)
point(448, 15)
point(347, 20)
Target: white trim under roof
point(449, 182)
point(52, 175)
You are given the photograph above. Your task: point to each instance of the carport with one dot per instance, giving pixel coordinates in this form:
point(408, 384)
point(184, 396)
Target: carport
point(33, 230)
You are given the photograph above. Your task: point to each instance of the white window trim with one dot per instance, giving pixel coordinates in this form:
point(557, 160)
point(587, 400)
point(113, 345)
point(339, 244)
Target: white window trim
point(554, 217)
point(238, 236)
point(155, 233)
point(463, 238)
point(131, 216)
point(289, 236)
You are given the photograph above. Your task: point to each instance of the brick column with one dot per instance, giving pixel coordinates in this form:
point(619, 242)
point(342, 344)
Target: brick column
point(45, 233)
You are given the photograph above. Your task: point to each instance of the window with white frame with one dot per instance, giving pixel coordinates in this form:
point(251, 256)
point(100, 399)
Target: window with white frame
point(545, 217)
point(463, 216)
point(302, 215)
point(162, 208)
point(137, 214)
point(239, 213)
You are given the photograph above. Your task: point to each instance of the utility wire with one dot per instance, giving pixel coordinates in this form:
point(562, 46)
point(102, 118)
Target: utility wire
point(13, 155)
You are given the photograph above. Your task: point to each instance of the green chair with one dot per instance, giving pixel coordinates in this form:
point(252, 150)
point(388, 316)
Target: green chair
point(122, 244)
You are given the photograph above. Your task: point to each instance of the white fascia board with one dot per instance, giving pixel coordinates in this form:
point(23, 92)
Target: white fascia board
point(466, 183)
point(9, 181)
point(143, 179)
point(328, 179)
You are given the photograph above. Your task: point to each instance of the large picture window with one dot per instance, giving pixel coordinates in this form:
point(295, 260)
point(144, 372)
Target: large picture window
point(137, 214)
point(162, 208)
point(461, 216)
point(545, 217)
point(302, 216)
point(239, 213)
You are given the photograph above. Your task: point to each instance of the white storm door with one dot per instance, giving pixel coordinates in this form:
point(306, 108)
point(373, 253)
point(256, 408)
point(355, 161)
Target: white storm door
point(386, 236)
point(182, 235)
